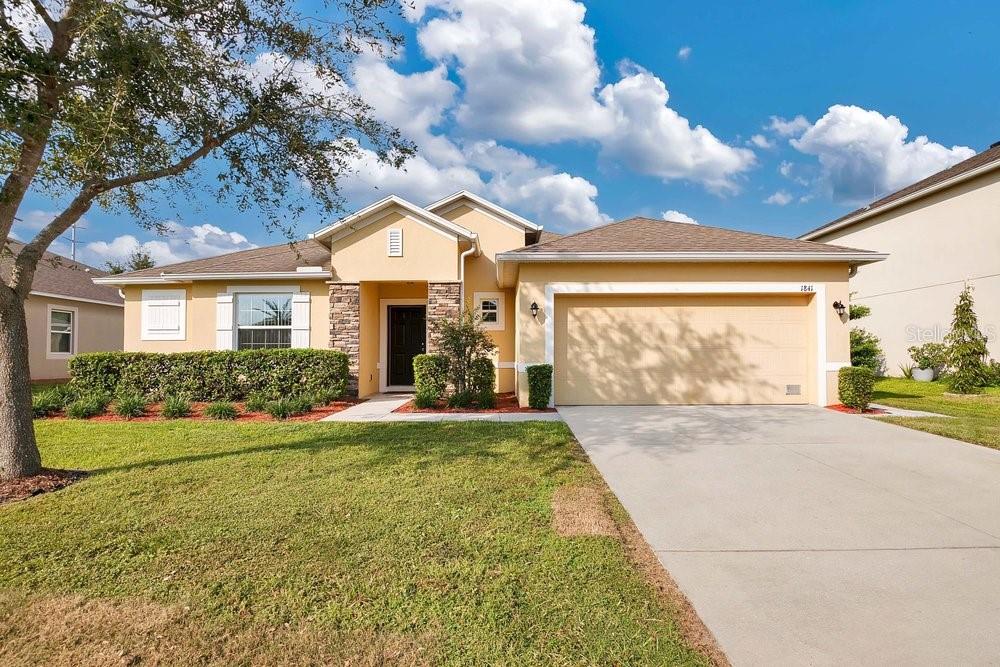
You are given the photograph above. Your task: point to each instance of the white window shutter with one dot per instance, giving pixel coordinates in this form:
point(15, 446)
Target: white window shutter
point(163, 314)
point(225, 332)
point(300, 319)
point(394, 243)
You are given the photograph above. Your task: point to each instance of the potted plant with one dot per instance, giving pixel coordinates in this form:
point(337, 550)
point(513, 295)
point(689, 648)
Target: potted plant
point(928, 360)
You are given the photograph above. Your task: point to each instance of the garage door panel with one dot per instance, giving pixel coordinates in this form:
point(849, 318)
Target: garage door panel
point(681, 349)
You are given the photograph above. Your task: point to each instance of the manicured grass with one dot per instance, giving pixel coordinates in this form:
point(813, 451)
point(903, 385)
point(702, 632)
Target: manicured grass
point(972, 418)
point(221, 543)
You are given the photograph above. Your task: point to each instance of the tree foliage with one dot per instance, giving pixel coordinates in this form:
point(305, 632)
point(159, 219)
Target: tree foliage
point(967, 350)
point(130, 103)
point(462, 340)
point(137, 260)
point(866, 350)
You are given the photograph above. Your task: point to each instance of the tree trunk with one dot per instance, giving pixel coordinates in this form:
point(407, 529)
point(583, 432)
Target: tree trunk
point(19, 455)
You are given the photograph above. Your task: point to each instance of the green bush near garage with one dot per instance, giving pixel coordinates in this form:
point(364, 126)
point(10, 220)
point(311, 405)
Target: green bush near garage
point(539, 386)
point(211, 375)
point(856, 385)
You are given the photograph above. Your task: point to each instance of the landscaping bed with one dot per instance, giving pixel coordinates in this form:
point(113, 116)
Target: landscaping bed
point(214, 543)
point(840, 407)
point(154, 413)
point(44, 482)
point(506, 402)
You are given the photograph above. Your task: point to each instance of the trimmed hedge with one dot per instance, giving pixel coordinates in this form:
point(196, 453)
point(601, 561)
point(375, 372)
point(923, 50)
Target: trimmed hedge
point(482, 380)
point(430, 378)
point(856, 385)
point(539, 386)
point(211, 375)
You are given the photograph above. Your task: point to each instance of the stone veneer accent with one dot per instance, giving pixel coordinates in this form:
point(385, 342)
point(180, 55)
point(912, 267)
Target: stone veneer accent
point(444, 300)
point(345, 327)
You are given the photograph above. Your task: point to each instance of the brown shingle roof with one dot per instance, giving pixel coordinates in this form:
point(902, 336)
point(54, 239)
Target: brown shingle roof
point(992, 154)
point(284, 257)
point(545, 236)
point(646, 235)
point(59, 275)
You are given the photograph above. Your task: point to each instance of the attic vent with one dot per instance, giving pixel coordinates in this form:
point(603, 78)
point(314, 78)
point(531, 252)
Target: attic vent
point(793, 390)
point(394, 243)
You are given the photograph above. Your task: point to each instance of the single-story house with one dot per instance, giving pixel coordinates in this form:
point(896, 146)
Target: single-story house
point(941, 233)
point(634, 312)
point(66, 313)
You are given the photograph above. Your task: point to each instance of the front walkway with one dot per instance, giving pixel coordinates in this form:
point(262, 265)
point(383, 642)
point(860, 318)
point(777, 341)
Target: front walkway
point(803, 536)
point(379, 408)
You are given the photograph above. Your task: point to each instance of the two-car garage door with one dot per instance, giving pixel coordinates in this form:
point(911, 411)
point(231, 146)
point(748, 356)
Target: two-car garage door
point(682, 349)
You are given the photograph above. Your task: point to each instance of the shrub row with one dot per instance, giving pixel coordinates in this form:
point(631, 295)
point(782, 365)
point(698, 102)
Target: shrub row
point(211, 375)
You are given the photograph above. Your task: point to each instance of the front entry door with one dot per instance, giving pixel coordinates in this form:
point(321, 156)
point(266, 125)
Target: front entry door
point(407, 339)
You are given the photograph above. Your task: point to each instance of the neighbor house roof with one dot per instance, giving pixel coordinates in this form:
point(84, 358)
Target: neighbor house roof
point(976, 165)
point(60, 277)
point(285, 260)
point(647, 239)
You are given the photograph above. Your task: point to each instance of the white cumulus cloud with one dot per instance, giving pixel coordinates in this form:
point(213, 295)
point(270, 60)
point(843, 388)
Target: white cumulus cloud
point(788, 128)
point(684, 53)
point(677, 216)
point(779, 198)
point(178, 244)
point(864, 155)
point(760, 141)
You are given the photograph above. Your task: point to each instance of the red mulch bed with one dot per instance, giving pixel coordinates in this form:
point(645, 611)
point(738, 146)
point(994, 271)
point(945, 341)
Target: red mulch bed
point(44, 482)
point(840, 407)
point(154, 414)
point(505, 403)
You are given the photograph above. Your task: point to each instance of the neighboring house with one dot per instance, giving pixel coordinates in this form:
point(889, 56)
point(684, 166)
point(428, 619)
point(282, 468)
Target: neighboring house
point(639, 311)
point(941, 233)
point(66, 313)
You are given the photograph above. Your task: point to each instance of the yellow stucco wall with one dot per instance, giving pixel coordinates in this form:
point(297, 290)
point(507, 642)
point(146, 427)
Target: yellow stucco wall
point(936, 245)
point(98, 328)
point(200, 315)
point(530, 342)
point(481, 276)
point(427, 254)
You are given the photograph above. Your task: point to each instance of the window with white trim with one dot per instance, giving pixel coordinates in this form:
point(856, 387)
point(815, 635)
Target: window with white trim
point(61, 332)
point(394, 242)
point(489, 305)
point(263, 321)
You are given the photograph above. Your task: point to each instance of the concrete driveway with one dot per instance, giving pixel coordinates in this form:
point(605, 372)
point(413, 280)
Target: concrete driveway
point(805, 536)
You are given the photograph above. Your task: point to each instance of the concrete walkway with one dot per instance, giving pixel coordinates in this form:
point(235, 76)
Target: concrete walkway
point(890, 411)
point(379, 408)
point(804, 536)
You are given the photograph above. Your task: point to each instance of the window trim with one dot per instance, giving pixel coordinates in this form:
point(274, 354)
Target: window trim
point(73, 329)
point(499, 297)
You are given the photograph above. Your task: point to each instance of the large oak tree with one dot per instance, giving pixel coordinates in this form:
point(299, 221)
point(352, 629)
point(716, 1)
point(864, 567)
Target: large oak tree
point(112, 102)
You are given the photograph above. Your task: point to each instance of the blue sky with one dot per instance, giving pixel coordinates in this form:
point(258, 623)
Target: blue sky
point(771, 117)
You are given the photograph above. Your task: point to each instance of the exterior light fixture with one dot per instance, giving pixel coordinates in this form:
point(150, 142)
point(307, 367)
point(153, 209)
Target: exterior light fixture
point(534, 310)
point(839, 307)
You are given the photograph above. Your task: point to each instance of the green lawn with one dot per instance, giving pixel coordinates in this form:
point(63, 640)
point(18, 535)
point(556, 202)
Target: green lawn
point(972, 418)
point(207, 543)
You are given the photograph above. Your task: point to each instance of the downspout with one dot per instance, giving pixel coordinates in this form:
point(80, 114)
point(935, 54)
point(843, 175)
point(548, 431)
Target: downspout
point(461, 273)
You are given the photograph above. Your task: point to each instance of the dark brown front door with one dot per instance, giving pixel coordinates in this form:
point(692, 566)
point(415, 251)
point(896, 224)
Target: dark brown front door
point(407, 339)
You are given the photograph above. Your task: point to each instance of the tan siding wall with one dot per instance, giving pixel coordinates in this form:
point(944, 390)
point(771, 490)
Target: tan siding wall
point(98, 329)
point(534, 277)
point(481, 276)
point(427, 255)
point(935, 244)
point(200, 318)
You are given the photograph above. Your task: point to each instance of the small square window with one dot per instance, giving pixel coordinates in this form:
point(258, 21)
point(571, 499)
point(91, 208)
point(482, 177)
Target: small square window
point(61, 332)
point(490, 309)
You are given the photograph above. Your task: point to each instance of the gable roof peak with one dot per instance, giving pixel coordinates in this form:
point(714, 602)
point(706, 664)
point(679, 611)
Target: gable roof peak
point(489, 206)
point(423, 214)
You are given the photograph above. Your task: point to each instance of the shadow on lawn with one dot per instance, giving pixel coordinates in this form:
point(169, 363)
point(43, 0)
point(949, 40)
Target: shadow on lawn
point(390, 444)
point(891, 394)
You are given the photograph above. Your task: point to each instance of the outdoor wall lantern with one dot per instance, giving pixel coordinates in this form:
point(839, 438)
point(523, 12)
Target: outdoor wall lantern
point(839, 307)
point(534, 310)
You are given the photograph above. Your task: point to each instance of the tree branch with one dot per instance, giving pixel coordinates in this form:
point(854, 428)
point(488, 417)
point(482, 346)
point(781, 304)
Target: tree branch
point(50, 23)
